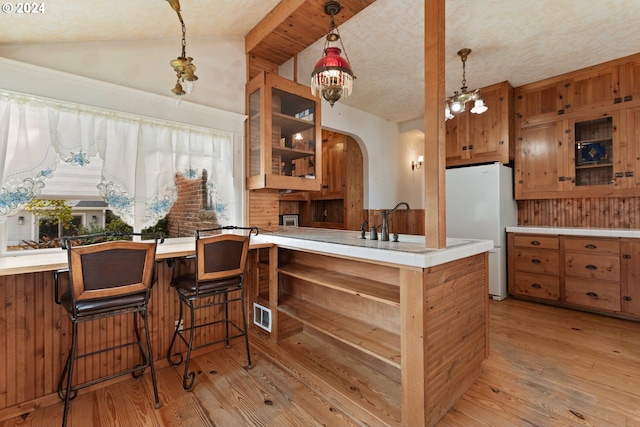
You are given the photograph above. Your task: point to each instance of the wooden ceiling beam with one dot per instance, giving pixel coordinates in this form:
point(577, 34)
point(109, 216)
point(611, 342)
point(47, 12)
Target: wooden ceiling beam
point(294, 25)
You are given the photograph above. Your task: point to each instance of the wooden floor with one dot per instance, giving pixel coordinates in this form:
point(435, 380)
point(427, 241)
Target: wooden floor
point(548, 367)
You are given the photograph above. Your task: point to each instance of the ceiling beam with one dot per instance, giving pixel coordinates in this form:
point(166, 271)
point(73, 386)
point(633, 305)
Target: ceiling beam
point(291, 27)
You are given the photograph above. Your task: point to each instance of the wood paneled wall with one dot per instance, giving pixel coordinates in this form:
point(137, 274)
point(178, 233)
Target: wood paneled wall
point(263, 209)
point(598, 212)
point(401, 221)
point(35, 336)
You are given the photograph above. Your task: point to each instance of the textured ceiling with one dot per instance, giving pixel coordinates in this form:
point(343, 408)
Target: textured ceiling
point(519, 41)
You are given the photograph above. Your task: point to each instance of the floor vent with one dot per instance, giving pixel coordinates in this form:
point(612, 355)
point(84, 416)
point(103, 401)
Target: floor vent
point(262, 316)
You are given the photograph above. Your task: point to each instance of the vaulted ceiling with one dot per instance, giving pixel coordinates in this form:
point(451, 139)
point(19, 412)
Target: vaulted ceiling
point(519, 41)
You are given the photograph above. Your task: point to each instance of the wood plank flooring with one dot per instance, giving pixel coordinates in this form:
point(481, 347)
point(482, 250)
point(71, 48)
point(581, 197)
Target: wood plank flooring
point(548, 366)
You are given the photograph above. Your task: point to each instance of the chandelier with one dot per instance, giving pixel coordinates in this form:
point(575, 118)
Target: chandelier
point(456, 103)
point(332, 76)
point(182, 65)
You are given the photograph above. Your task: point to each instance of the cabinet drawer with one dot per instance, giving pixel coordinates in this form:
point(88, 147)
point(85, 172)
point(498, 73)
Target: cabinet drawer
point(590, 293)
point(537, 261)
point(600, 246)
point(533, 241)
point(592, 266)
point(537, 285)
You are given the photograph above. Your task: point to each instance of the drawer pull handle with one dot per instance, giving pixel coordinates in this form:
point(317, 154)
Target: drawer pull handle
point(590, 246)
point(627, 298)
point(591, 267)
point(536, 261)
point(535, 243)
point(536, 285)
point(592, 294)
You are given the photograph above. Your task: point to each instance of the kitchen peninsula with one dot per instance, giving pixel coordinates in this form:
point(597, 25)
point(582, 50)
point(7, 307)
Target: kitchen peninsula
point(406, 321)
point(406, 324)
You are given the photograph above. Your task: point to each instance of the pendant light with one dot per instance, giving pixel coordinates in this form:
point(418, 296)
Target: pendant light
point(456, 103)
point(332, 76)
point(183, 66)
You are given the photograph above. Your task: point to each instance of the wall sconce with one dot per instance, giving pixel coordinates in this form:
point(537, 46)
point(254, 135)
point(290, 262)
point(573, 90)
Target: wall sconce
point(418, 164)
point(332, 76)
point(20, 220)
point(182, 65)
point(94, 219)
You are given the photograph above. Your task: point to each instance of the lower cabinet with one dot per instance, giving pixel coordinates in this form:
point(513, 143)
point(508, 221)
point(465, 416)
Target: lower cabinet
point(592, 273)
point(536, 262)
point(630, 249)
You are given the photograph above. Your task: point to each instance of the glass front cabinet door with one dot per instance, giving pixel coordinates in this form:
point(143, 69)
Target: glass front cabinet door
point(596, 156)
point(284, 147)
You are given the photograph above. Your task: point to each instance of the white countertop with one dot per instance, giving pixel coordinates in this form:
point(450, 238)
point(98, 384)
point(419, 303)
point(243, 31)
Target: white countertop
point(409, 250)
point(596, 232)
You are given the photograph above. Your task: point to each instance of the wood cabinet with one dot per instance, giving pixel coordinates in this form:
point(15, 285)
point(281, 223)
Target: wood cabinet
point(630, 81)
point(592, 272)
point(535, 266)
point(339, 203)
point(630, 271)
point(583, 157)
point(630, 145)
point(283, 135)
point(576, 133)
point(538, 102)
point(591, 88)
point(541, 154)
point(480, 138)
point(600, 274)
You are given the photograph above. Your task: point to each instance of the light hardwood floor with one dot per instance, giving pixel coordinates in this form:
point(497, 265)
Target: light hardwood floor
point(548, 367)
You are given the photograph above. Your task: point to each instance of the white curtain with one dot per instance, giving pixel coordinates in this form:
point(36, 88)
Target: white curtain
point(140, 157)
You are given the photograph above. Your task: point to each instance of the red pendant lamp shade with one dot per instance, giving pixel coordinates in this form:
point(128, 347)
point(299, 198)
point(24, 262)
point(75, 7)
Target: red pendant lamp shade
point(332, 76)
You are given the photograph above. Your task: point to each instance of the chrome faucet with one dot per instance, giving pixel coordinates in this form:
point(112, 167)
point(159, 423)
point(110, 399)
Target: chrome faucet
point(384, 232)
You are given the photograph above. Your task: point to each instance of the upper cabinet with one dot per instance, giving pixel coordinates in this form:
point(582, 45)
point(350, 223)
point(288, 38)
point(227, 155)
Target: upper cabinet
point(480, 138)
point(576, 93)
point(592, 88)
point(538, 102)
point(577, 135)
point(284, 148)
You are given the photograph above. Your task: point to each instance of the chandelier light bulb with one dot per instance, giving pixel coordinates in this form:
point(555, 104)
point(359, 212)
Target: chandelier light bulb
point(479, 107)
point(188, 86)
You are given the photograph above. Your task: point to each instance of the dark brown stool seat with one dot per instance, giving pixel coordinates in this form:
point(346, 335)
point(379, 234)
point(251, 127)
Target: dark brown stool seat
point(218, 281)
point(107, 279)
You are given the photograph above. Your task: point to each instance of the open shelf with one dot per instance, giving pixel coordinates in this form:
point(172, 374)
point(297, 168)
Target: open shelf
point(378, 343)
point(291, 125)
point(359, 286)
point(289, 154)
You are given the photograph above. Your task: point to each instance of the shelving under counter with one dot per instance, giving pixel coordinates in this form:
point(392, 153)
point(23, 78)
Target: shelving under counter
point(391, 306)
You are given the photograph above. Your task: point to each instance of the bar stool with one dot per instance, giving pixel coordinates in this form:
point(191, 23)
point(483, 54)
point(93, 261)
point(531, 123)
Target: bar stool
point(111, 278)
point(220, 262)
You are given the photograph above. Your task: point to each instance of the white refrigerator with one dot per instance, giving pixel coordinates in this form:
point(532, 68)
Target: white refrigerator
point(480, 205)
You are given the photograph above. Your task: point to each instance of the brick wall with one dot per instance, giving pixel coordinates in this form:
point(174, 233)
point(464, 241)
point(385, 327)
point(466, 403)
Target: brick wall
point(189, 212)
